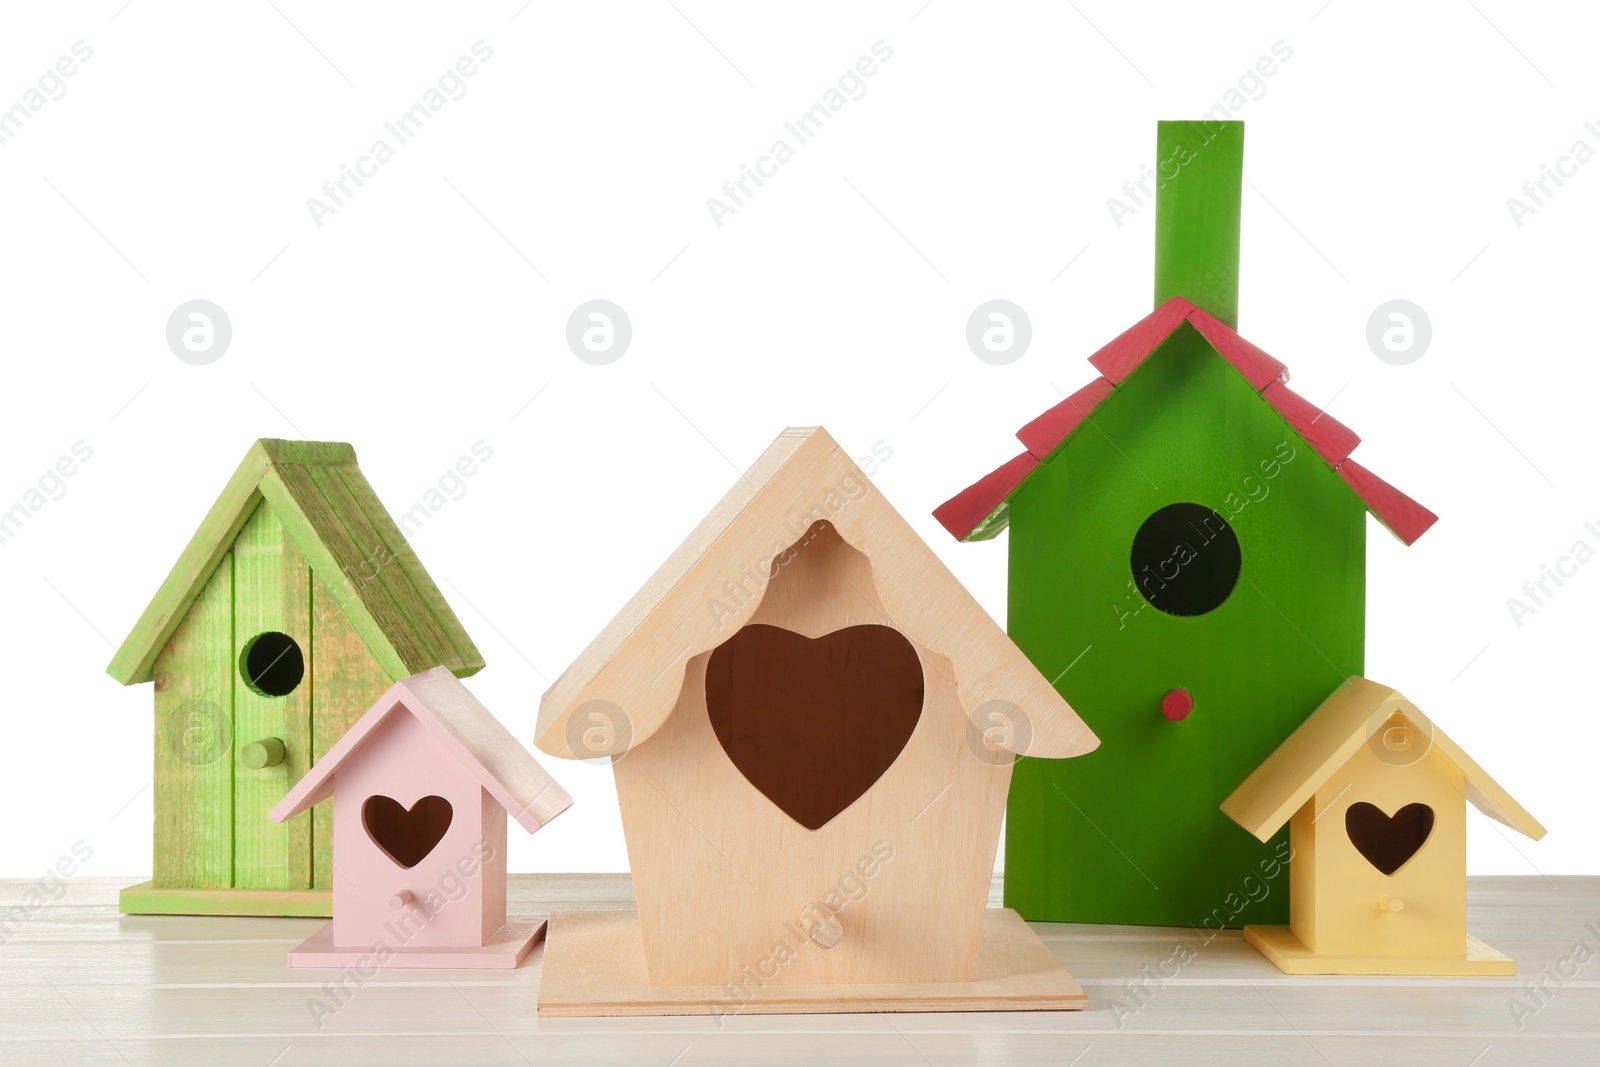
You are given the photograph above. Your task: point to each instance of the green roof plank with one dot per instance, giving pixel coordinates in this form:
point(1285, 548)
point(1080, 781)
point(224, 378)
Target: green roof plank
point(338, 524)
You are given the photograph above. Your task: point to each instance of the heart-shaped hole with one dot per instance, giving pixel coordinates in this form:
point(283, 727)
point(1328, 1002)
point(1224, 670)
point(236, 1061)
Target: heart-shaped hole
point(1388, 841)
point(406, 836)
point(814, 723)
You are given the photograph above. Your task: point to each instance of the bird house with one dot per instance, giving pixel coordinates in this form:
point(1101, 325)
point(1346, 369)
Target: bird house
point(1187, 558)
point(421, 787)
point(1375, 796)
point(294, 606)
point(812, 727)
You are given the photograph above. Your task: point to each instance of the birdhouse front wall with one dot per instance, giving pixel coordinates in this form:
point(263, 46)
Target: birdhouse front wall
point(723, 877)
point(726, 879)
point(265, 654)
point(212, 828)
point(271, 596)
point(386, 798)
point(1342, 901)
point(1132, 832)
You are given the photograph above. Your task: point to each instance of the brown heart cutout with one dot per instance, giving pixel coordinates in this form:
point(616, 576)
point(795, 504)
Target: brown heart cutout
point(406, 836)
point(1388, 841)
point(814, 723)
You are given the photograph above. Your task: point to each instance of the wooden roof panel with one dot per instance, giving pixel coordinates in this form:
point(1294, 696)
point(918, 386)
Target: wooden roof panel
point(351, 543)
point(467, 729)
point(1331, 439)
point(1327, 740)
point(637, 663)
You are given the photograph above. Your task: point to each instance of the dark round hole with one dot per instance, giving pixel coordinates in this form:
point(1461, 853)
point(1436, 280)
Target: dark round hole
point(272, 664)
point(1185, 559)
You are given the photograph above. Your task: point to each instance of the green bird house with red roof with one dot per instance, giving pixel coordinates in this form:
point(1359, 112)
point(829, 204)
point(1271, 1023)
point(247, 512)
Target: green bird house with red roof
point(1187, 563)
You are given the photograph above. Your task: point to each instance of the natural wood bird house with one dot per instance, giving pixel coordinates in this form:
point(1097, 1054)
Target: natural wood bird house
point(812, 726)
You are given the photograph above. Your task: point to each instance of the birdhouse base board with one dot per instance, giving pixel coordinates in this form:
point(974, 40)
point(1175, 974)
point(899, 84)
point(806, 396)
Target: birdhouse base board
point(146, 898)
point(505, 950)
point(1290, 955)
point(594, 965)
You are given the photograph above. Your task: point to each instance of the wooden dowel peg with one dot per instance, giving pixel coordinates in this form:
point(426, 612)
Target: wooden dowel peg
point(821, 925)
point(258, 755)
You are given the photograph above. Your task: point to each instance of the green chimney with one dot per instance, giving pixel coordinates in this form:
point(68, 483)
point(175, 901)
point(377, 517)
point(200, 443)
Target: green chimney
point(1200, 167)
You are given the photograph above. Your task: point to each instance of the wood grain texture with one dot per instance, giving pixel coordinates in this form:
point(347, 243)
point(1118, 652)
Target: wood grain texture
point(979, 512)
point(193, 785)
point(723, 875)
point(714, 582)
point(134, 660)
point(346, 679)
point(330, 548)
point(80, 983)
point(1200, 182)
point(804, 544)
point(342, 529)
point(147, 898)
point(506, 948)
point(596, 966)
point(1290, 955)
point(1400, 515)
point(271, 592)
point(1359, 712)
point(378, 569)
point(364, 500)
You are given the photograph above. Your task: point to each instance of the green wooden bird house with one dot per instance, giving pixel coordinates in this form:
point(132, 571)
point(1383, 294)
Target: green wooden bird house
point(1187, 563)
point(295, 605)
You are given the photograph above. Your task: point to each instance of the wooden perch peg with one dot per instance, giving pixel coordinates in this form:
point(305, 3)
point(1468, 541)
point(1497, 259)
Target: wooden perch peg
point(258, 755)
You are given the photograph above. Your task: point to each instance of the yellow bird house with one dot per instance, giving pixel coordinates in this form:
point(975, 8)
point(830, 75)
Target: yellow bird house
point(1375, 797)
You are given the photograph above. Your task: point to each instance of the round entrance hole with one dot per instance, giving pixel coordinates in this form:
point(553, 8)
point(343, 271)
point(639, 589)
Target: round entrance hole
point(1185, 559)
point(272, 664)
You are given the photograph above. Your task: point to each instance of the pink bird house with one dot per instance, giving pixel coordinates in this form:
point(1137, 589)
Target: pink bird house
point(422, 785)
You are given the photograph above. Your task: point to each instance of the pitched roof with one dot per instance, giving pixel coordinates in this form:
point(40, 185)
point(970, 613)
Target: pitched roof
point(981, 510)
point(341, 528)
point(466, 729)
point(1327, 740)
point(637, 662)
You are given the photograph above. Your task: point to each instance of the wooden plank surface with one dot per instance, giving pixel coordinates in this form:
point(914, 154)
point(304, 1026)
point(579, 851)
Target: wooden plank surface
point(271, 592)
point(596, 966)
point(345, 680)
point(81, 984)
point(194, 742)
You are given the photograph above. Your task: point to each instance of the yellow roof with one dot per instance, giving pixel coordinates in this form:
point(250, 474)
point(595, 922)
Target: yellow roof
point(1326, 741)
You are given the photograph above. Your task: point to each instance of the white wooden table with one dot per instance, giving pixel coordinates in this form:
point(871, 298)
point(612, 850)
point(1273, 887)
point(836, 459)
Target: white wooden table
point(81, 984)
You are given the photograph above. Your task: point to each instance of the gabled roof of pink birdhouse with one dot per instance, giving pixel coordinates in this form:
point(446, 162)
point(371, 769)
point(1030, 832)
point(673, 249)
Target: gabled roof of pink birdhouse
point(980, 512)
point(465, 729)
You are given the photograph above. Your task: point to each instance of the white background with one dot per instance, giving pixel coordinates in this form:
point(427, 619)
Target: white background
point(426, 313)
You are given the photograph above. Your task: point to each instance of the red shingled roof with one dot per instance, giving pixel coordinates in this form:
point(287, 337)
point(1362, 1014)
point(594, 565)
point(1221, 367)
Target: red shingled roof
point(964, 513)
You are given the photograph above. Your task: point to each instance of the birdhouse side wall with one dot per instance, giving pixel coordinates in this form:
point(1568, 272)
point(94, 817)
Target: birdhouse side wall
point(1133, 831)
point(1352, 901)
point(403, 760)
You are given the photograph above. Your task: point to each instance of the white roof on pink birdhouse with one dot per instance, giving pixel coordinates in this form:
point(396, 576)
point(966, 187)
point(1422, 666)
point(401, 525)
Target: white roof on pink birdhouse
point(465, 729)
